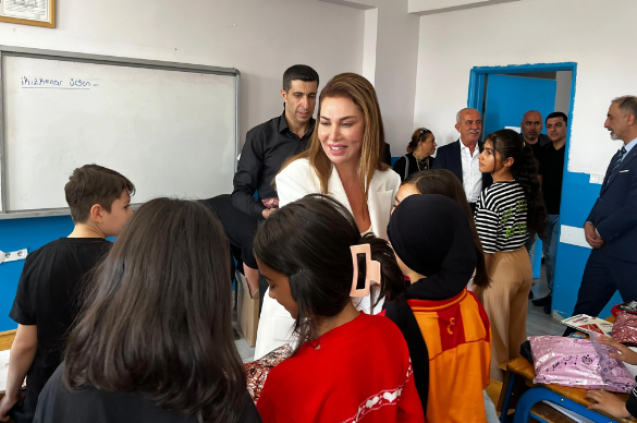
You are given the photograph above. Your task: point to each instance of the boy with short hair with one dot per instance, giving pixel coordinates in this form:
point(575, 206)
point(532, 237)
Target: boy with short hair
point(47, 300)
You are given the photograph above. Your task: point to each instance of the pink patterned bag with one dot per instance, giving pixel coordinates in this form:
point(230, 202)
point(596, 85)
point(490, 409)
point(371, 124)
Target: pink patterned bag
point(613, 371)
point(569, 362)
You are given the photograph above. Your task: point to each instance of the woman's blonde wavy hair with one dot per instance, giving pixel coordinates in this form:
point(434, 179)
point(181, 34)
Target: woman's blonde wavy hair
point(362, 93)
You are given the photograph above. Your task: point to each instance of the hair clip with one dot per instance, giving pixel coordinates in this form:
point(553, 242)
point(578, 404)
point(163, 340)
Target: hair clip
point(372, 275)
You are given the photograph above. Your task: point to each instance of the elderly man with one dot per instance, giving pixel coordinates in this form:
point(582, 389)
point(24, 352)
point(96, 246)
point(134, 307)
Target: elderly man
point(461, 157)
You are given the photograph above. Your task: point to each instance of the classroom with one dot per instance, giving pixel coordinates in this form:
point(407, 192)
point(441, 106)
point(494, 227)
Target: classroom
point(180, 100)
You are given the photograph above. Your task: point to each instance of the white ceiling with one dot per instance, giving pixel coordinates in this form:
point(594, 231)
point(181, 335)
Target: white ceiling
point(430, 7)
point(423, 7)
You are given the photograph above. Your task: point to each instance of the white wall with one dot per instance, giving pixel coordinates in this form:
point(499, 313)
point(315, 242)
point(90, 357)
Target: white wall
point(260, 38)
point(598, 35)
point(396, 61)
point(563, 91)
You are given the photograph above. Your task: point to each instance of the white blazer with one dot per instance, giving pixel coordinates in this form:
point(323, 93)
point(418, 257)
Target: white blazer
point(293, 183)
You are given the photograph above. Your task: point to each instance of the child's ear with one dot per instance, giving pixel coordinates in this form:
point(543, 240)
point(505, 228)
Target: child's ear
point(508, 162)
point(97, 213)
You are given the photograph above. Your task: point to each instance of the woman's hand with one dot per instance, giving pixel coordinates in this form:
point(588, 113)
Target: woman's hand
point(608, 403)
point(625, 354)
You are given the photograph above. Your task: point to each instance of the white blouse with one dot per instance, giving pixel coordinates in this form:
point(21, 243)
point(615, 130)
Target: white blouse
point(293, 183)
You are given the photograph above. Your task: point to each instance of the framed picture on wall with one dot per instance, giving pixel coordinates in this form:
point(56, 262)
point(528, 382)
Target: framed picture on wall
point(28, 12)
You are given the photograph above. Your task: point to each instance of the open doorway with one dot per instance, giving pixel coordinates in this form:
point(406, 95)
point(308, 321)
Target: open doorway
point(503, 95)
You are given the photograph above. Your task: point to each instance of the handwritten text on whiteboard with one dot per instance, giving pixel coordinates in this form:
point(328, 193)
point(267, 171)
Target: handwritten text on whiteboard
point(66, 84)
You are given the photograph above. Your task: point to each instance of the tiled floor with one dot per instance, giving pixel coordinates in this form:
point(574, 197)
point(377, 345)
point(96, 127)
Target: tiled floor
point(245, 351)
point(538, 323)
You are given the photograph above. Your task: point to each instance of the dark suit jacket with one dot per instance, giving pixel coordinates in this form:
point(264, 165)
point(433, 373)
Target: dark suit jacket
point(448, 157)
point(615, 211)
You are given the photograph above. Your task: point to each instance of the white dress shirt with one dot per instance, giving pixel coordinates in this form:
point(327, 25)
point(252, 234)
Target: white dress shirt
point(629, 147)
point(471, 175)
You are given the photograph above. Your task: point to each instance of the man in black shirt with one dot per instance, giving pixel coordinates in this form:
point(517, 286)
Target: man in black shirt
point(552, 171)
point(48, 296)
point(532, 132)
point(267, 147)
point(532, 135)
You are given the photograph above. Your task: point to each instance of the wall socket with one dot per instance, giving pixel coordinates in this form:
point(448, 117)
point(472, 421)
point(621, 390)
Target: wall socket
point(596, 178)
point(13, 256)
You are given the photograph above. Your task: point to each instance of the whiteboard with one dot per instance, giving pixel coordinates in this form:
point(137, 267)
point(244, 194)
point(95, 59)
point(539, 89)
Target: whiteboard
point(172, 132)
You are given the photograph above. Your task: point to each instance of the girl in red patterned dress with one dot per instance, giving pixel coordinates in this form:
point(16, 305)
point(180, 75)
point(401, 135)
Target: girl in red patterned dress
point(348, 366)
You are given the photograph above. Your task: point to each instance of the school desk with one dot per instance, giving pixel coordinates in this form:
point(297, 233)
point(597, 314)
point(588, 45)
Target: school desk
point(529, 404)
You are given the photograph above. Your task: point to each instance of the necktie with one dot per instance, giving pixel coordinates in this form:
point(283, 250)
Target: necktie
point(617, 164)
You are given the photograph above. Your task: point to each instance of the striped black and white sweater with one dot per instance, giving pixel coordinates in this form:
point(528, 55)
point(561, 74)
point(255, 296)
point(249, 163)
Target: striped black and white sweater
point(501, 217)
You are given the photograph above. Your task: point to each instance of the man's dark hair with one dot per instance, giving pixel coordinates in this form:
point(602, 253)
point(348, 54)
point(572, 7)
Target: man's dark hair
point(300, 73)
point(92, 184)
point(557, 115)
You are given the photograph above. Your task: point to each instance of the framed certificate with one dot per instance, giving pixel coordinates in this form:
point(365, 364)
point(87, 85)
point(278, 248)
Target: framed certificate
point(28, 12)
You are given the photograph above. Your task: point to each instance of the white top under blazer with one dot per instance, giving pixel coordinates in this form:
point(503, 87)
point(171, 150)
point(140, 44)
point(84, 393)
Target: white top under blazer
point(293, 183)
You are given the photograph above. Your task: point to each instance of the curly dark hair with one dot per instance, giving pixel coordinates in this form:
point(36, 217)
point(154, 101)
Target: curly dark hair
point(508, 143)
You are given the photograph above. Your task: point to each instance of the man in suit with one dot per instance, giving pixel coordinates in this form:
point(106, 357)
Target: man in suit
point(611, 227)
point(461, 157)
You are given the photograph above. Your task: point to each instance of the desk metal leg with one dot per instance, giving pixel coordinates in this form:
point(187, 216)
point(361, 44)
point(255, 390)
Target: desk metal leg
point(507, 398)
point(535, 395)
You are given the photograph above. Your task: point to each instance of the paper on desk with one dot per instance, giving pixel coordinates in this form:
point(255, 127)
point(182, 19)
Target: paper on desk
point(571, 414)
point(4, 369)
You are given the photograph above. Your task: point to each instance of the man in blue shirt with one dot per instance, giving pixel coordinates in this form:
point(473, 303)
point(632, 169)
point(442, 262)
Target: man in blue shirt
point(611, 227)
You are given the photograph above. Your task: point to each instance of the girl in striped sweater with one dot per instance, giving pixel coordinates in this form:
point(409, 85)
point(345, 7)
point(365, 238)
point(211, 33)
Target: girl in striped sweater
point(507, 213)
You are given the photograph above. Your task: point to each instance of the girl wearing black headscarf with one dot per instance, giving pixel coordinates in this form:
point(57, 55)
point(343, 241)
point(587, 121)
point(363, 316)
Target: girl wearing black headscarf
point(446, 328)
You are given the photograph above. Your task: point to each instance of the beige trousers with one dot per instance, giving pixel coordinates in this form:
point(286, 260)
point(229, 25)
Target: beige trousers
point(506, 302)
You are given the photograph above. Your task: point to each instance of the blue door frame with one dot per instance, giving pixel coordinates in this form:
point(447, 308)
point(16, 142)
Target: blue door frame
point(478, 77)
point(476, 97)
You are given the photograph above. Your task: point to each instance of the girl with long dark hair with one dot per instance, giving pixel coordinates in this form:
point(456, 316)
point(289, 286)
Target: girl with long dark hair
point(155, 339)
point(507, 213)
point(347, 365)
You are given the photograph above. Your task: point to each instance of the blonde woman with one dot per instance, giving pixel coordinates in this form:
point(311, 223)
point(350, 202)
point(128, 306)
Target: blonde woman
point(343, 161)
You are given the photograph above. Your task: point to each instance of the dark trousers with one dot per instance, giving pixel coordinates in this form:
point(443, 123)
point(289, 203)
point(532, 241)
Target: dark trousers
point(240, 229)
point(603, 276)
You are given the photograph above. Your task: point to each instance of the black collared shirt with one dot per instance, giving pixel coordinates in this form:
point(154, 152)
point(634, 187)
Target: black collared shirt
point(552, 171)
point(266, 148)
point(542, 140)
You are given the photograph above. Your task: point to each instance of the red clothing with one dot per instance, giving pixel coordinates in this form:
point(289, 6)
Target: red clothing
point(361, 371)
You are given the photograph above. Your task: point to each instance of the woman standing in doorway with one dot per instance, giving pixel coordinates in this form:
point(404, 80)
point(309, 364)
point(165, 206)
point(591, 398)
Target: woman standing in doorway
point(420, 148)
point(507, 213)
